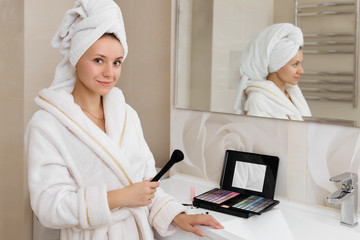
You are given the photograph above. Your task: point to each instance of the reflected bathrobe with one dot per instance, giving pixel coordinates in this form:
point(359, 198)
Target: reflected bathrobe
point(73, 164)
point(265, 99)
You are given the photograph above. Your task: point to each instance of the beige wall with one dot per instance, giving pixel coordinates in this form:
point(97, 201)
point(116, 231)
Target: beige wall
point(41, 20)
point(14, 210)
point(27, 65)
point(145, 78)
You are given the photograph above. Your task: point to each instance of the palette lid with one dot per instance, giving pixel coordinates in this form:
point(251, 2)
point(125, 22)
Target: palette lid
point(249, 173)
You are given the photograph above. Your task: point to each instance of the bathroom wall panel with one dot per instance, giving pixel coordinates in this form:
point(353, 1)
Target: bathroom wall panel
point(41, 21)
point(145, 78)
point(309, 153)
point(332, 150)
point(204, 137)
point(14, 210)
point(297, 155)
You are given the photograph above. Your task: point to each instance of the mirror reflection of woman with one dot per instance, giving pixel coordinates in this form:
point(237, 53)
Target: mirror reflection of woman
point(270, 68)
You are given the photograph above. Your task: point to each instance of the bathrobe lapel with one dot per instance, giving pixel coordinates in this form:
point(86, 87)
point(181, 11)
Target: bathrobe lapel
point(61, 105)
point(270, 90)
point(298, 99)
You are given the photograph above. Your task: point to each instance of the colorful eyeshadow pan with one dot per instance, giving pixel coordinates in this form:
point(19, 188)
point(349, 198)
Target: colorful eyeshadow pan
point(217, 196)
point(254, 203)
point(206, 194)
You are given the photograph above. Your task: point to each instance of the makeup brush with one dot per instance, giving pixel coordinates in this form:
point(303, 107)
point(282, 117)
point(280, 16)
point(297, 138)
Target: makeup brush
point(176, 156)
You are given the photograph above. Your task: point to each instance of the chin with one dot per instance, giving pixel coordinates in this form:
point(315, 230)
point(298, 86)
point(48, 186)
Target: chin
point(104, 92)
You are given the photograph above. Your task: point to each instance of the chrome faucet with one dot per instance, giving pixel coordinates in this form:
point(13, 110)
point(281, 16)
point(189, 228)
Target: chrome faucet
point(347, 196)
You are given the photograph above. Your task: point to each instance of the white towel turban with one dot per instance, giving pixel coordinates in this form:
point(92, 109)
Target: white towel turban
point(81, 27)
point(272, 48)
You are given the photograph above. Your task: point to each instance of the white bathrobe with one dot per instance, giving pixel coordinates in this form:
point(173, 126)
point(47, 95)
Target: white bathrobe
point(73, 164)
point(265, 99)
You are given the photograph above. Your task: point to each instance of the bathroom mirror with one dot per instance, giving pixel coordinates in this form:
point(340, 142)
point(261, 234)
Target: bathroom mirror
point(210, 35)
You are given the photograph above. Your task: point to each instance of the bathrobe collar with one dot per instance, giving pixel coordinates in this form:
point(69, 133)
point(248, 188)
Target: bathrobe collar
point(61, 105)
point(295, 109)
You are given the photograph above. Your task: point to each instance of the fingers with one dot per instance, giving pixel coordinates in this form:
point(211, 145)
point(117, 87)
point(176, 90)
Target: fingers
point(215, 224)
point(140, 193)
point(152, 184)
point(150, 190)
point(197, 232)
point(206, 220)
point(209, 220)
point(187, 225)
point(187, 222)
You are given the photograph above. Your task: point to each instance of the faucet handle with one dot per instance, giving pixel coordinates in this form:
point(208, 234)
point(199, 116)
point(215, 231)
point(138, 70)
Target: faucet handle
point(347, 179)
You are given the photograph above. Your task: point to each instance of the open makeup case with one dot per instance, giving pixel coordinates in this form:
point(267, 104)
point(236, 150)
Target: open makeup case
point(247, 185)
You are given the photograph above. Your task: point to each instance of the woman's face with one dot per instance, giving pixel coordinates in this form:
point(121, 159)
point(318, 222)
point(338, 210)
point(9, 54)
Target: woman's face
point(100, 67)
point(290, 73)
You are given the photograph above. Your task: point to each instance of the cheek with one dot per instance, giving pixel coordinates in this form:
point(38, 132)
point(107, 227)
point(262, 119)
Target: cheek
point(288, 71)
point(118, 73)
point(86, 71)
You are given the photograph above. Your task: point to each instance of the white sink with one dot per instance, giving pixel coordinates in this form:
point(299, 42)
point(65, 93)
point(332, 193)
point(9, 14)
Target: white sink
point(288, 220)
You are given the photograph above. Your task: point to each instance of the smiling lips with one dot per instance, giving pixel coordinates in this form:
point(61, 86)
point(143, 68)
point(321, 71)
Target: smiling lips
point(106, 84)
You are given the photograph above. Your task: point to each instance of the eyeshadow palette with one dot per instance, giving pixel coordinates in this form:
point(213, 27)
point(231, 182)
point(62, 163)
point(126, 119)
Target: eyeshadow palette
point(233, 203)
point(247, 185)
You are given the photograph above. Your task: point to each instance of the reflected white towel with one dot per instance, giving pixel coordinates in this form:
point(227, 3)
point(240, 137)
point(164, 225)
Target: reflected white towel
point(273, 47)
point(82, 25)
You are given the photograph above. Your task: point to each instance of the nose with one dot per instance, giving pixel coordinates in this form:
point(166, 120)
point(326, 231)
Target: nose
point(300, 70)
point(108, 70)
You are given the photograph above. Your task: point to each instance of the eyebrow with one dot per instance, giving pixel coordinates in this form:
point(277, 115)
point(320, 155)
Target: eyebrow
point(103, 56)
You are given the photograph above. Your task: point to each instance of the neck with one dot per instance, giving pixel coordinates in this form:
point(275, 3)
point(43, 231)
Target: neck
point(280, 84)
point(86, 100)
point(90, 104)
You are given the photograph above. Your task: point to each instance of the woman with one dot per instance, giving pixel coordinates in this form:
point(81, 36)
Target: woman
point(89, 165)
point(270, 68)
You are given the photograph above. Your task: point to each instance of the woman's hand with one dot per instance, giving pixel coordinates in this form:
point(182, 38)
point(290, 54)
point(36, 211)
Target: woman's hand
point(187, 222)
point(136, 195)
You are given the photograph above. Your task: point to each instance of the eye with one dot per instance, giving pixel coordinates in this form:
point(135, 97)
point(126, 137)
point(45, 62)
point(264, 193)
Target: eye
point(117, 63)
point(98, 60)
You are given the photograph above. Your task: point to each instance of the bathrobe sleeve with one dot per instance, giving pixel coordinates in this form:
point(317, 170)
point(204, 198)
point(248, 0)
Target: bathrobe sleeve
point(163, 210)
point(56, 198)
